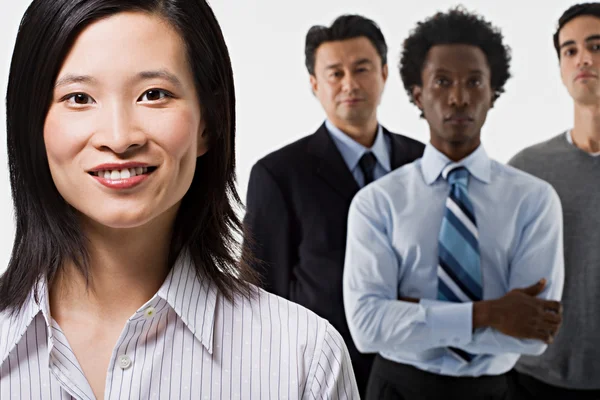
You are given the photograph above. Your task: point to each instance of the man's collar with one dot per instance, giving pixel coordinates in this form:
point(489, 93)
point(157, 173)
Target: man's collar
point(353, 150)
point(434, 162)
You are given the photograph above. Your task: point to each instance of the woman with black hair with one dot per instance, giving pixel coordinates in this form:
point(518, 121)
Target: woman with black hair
point(123, 281)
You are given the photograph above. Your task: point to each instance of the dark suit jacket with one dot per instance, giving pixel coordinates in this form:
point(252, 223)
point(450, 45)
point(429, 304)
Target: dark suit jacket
point(297, 208)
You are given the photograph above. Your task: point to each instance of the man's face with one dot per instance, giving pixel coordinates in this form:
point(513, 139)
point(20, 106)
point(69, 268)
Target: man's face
point(579, 42)
point(456, 93)
point(349, 80)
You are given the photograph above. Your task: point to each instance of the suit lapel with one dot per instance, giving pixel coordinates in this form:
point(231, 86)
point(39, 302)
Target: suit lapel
point(330, 164)
point(400, 155)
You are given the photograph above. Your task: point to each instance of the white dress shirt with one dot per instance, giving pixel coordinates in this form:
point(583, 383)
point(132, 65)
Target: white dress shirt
point(392, 251)
point(187, 342)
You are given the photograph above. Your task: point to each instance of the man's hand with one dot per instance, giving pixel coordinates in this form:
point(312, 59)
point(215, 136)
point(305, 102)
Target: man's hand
point(409, 299)
point(521, 314)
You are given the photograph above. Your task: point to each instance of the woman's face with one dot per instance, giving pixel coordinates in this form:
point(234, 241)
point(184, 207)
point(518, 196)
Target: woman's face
point(124, 129)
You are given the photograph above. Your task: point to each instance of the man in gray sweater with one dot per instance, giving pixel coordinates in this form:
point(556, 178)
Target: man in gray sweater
point(570, 367)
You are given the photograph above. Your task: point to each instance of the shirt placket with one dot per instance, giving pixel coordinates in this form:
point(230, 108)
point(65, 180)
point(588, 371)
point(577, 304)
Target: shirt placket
point(123, 359)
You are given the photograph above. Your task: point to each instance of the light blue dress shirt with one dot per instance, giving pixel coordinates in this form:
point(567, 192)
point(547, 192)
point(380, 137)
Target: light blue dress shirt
point(352, 151)
point(392, 251)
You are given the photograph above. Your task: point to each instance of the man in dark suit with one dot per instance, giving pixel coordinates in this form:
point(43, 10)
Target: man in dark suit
point(298, 197)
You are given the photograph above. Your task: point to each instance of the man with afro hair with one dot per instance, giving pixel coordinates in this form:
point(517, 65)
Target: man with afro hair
point(454, 263)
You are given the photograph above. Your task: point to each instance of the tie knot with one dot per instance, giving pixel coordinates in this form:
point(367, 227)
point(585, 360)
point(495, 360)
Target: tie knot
point(367, 161)
point(458, 175)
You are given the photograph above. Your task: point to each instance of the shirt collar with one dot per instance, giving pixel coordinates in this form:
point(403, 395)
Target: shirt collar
point(194, 300)
point(17, 324)
point(433, 163)
point(352, 150)
point(569, 135)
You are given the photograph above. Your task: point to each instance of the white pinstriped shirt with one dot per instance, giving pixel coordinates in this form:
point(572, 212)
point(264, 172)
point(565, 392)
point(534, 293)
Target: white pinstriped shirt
point(187, 342)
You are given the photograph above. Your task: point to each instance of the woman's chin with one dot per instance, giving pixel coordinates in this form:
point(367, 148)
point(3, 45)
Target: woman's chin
point(117, 220)
point(129, 217)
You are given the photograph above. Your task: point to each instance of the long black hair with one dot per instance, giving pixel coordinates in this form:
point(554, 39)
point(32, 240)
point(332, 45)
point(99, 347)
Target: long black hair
point(47, 230)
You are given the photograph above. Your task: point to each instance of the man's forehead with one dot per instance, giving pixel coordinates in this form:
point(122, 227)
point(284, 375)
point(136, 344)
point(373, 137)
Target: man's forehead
point(457, 58)
point(579, 29)
point(346, 51)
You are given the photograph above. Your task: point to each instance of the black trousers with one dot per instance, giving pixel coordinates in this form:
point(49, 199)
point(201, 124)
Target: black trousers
point(392, 381)
point(526, 387)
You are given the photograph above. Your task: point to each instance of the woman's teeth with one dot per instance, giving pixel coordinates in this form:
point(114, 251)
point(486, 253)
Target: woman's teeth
point(117, 174)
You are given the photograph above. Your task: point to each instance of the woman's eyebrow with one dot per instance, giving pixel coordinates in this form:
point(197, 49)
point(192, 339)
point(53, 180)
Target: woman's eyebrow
point(160, 73)
point(73, 78)
point(144, 75)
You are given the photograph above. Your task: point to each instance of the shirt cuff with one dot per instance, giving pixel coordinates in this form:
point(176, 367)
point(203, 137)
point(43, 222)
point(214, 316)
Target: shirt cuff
point(451, 324)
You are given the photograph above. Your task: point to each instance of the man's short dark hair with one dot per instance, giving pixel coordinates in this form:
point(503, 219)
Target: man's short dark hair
point(457, 26)
point(344, 27)
point(578, 10)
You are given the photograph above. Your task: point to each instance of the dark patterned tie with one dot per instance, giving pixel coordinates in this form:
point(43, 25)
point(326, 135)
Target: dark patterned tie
point(367, 165)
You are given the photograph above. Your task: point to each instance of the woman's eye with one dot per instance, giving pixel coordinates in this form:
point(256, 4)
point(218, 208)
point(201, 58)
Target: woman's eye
point(79, 99)
point(154, 95)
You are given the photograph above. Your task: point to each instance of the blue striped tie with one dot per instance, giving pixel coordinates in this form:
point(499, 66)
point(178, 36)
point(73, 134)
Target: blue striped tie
point(459, 270)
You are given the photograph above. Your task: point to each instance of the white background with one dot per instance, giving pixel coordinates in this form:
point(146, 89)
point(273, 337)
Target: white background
point(276, 107)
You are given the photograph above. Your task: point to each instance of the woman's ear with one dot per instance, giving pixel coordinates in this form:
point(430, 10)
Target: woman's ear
point(203, 139)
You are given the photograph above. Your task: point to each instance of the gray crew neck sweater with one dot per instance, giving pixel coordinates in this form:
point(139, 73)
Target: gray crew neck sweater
point(573, 359)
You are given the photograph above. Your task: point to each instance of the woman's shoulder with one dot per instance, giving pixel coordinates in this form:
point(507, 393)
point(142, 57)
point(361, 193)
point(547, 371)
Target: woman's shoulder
point(272, 311)
point(299, 338)
point(285, 322)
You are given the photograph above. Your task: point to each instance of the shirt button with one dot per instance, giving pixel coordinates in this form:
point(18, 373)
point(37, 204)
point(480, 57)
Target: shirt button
point(456, 340)
point(124, 361)
point(442, 341)
point(149, 312)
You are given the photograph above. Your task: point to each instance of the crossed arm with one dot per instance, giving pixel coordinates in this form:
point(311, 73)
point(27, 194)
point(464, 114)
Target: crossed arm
point(522, 321)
